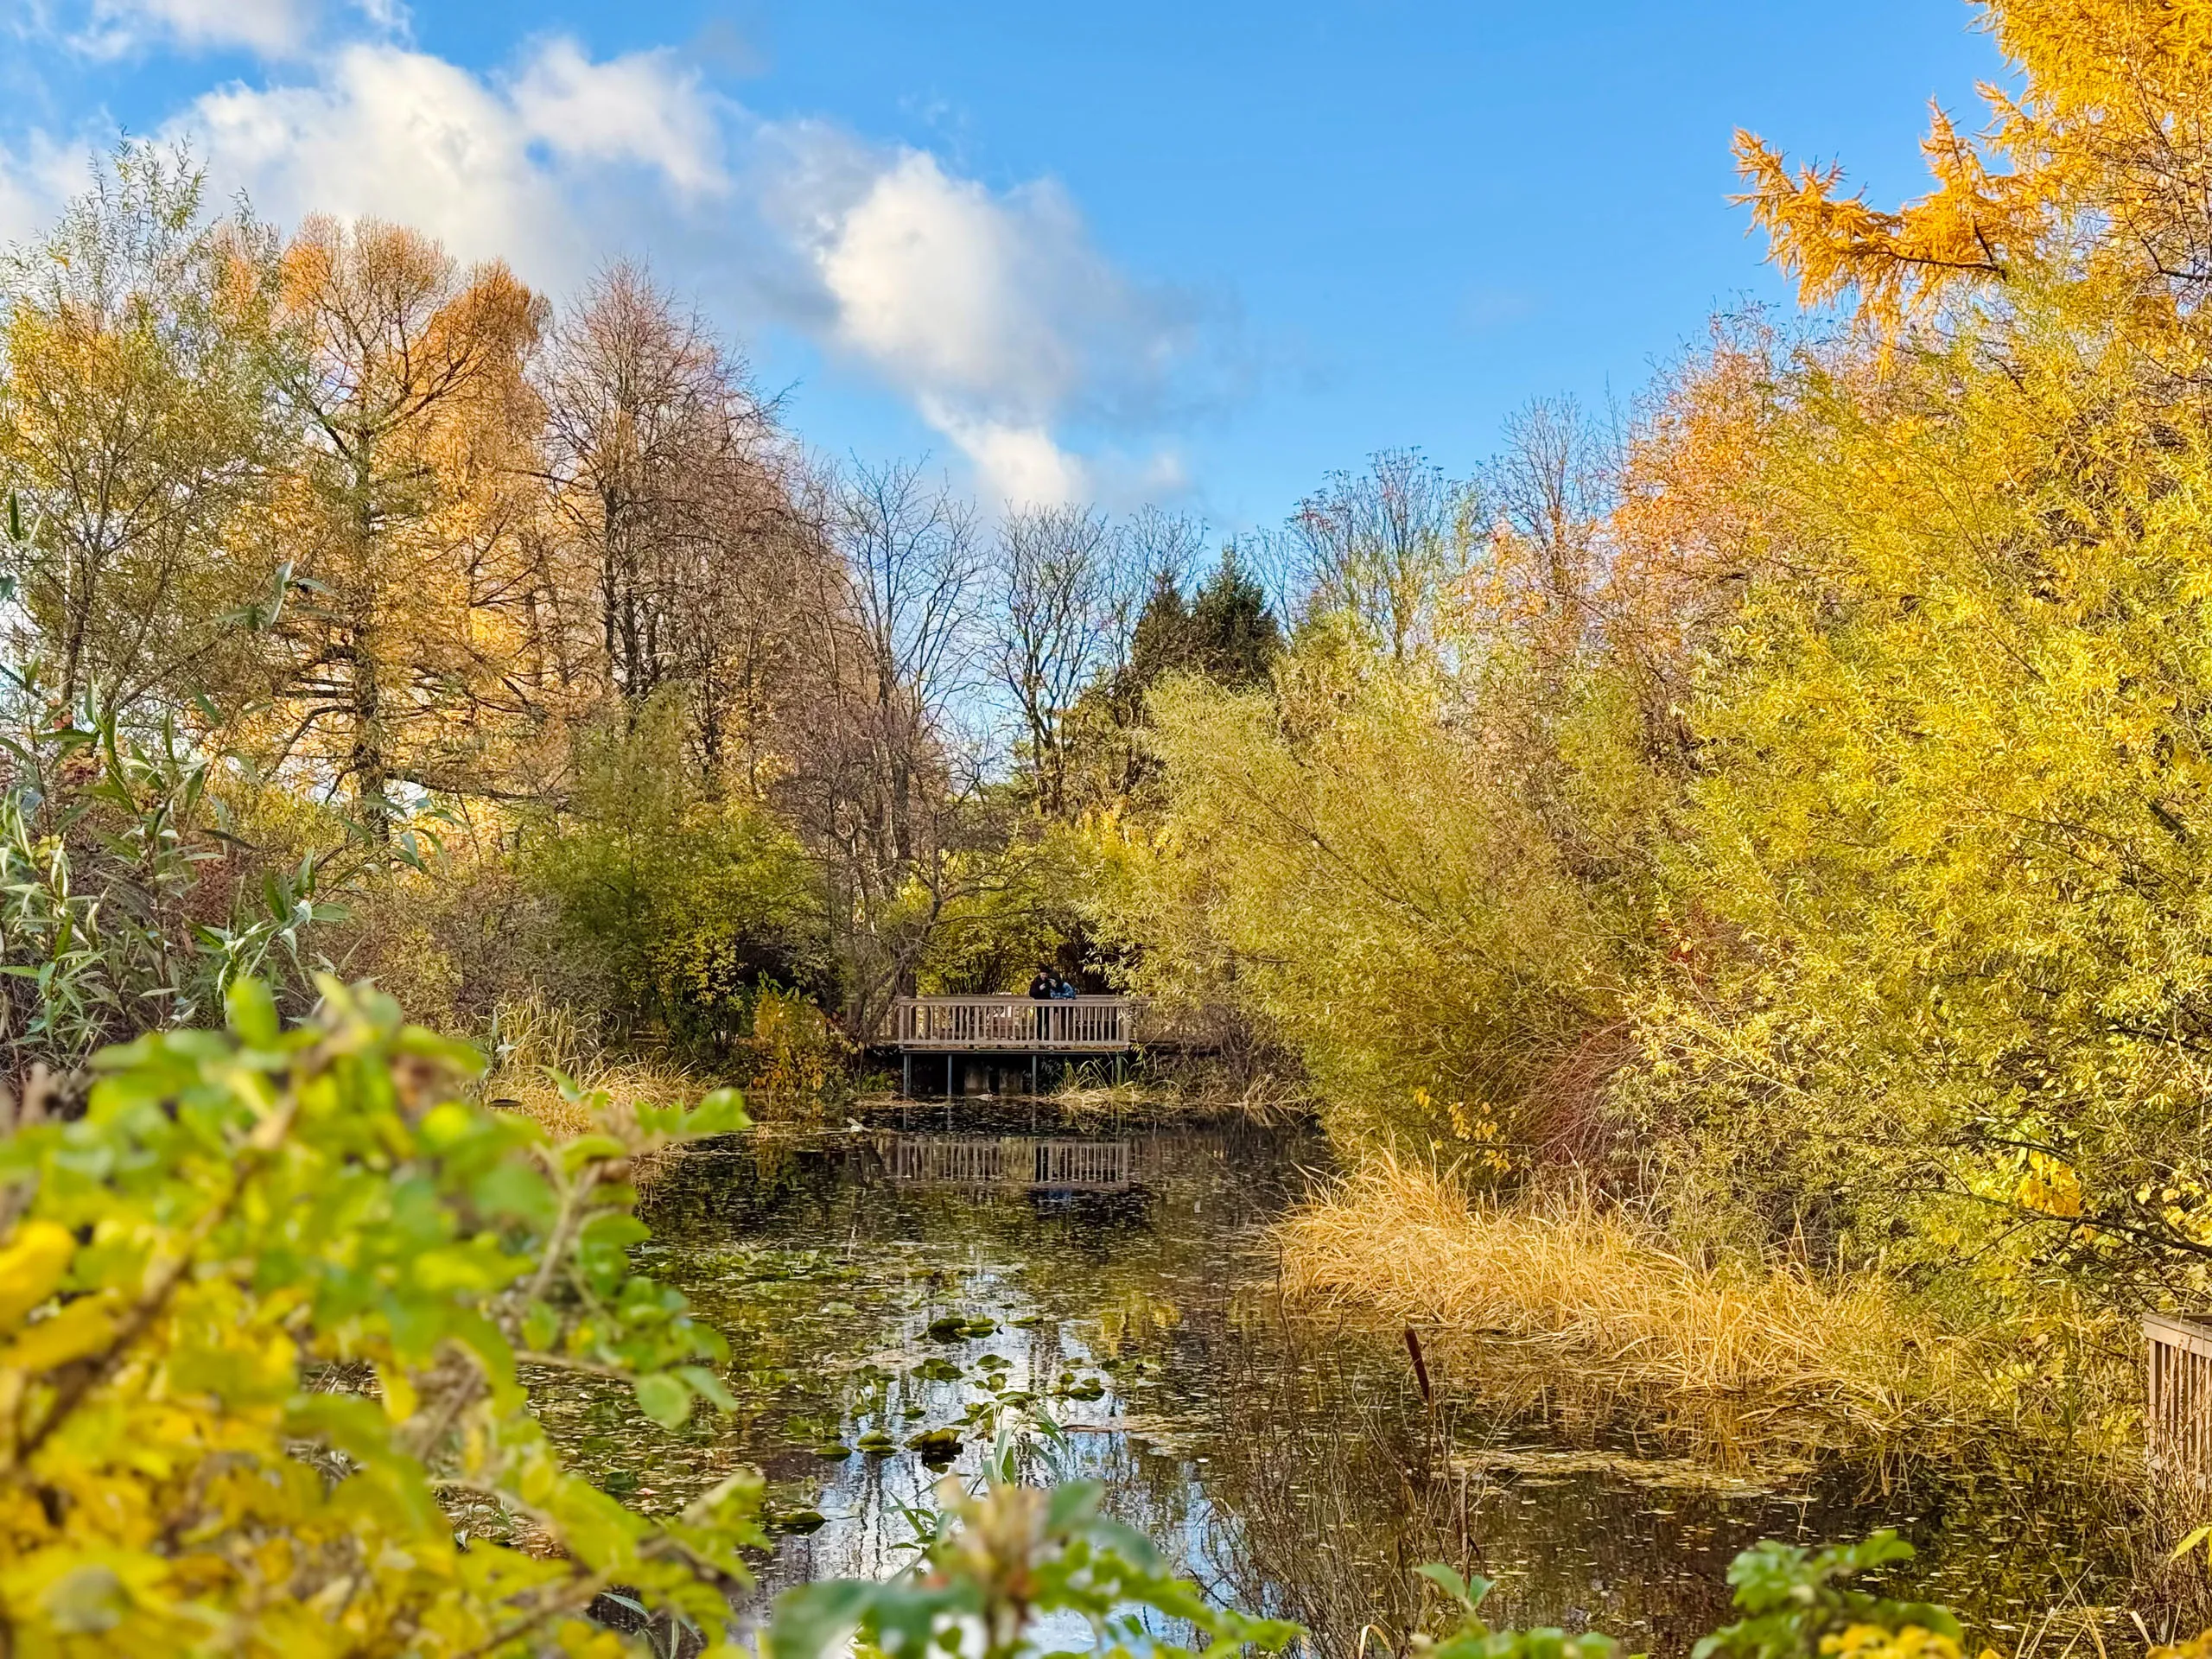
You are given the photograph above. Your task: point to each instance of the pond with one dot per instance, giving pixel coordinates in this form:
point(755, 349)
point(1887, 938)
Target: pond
point(886, 1290)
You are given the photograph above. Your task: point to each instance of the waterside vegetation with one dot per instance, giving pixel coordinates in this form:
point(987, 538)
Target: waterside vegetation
point(1727, 876)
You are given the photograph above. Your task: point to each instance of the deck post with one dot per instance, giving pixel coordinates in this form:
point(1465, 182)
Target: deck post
point(998, 1032)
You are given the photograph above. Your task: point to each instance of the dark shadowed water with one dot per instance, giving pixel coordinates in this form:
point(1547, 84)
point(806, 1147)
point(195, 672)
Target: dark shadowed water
point(891, 1282)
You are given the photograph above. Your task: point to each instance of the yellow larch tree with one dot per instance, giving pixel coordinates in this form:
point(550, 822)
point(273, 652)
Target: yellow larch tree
point(415, 662)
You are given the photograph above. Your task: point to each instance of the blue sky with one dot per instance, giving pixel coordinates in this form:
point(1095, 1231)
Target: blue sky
point(1199, 252)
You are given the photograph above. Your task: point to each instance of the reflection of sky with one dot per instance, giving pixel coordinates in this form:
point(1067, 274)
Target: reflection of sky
point(1288, 1468)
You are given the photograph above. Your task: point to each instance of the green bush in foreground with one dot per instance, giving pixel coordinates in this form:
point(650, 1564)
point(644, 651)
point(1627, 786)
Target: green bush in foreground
point(201, 1278)
point(264, 1310)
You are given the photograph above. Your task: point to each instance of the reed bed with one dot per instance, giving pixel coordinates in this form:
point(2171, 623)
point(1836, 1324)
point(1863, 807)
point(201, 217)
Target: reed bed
point(1559, 1290)
point(532, 1038)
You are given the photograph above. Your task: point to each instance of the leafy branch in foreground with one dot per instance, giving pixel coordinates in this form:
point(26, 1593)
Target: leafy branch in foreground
point(199, 1281)
point(1010, 1557)
point(1010, 1571)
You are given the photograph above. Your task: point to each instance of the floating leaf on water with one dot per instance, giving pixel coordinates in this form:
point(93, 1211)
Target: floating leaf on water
point(980, 1327)
point(832, 1449)
point(937, 1369)
point(801, 1521)
point(876, 1443)
point(949, 1327)
point(838, 1310)
point(1028, 1321)
point(936, 1445)
point(994, 1363)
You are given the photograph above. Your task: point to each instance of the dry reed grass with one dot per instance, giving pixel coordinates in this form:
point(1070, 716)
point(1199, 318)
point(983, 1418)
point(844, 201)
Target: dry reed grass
point(1557, 1294)
point(532, 1038)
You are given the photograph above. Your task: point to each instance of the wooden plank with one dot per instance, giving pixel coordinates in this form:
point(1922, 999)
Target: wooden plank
point(1079, 1025)
point(2178, 1403)
point(2188, 1335)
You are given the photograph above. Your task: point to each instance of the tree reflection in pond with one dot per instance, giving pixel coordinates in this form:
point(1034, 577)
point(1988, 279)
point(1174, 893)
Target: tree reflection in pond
point(1294, 1466)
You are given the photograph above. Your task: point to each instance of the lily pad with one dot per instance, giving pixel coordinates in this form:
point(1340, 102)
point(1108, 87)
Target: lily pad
point(937, 1369)
point(936, 1445)
point(876, 1443)
point(832, 1449)
point(800, 1521)
point(949, 1327)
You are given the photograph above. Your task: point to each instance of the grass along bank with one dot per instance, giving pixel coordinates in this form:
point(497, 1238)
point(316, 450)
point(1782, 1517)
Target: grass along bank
point(1558, 1296)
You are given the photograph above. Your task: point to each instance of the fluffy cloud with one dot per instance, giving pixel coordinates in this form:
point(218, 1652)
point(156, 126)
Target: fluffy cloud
point(271, 28)
point(489, 167)
point(643, 108)
point(993, 311)
point(35, 183)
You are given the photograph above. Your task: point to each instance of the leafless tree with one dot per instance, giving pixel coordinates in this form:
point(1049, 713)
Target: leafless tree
point(1054, 626)
point(1383, 545)
point(1551, 488)
point(668, 472)
point(875, 775)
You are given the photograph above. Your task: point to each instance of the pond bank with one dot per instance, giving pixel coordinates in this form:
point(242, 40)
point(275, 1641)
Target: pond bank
point(887, 1291)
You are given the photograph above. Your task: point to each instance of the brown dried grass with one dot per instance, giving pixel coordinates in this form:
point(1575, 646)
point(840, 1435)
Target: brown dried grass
point(1577, 1296)
point(532, 1038)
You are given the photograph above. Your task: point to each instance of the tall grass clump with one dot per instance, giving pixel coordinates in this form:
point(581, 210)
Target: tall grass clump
point(1560, 1293)
point(534, 1042)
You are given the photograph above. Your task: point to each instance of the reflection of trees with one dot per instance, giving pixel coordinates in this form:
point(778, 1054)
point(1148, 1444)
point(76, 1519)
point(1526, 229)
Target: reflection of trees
point(1294, 1468)
point(1332, 1482)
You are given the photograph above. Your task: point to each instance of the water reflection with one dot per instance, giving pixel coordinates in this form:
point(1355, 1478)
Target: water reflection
point(882, 1289)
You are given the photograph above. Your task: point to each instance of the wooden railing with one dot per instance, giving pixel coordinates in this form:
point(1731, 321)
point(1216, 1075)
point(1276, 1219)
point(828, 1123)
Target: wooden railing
point(1067, 1024)
point(1018, 1161)
point(2177, 1406)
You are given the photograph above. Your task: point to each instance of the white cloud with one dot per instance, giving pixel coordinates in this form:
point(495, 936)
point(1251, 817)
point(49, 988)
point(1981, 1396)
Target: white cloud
point(271, 28)
point(1017, 465)
point(993, 311)
point(643, 108)
point(490, 168)
point(34, 184)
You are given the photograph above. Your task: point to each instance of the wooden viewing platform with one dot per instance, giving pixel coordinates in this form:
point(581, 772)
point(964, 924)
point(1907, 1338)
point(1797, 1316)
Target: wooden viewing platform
point(1016, 1024)
point(975, 1035)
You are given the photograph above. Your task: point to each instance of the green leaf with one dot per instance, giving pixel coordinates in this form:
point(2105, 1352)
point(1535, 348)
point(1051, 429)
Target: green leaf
point(722, 1112)
point(665, 1399)
point(815, 1619)
point(707, 1386)
point(251, 1012)
point(1469, 1596)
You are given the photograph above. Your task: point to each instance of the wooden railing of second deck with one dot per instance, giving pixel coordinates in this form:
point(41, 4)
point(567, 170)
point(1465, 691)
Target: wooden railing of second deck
point(1069, 1025)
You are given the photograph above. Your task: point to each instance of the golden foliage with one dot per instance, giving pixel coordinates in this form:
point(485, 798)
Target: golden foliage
point(2098, 169)
point(1559, 1283)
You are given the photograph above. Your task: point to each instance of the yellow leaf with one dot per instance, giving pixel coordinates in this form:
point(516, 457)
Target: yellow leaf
point(30, 1267)
point(81, 1328)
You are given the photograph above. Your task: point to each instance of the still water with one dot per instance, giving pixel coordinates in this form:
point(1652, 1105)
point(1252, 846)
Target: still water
point(900, 1283)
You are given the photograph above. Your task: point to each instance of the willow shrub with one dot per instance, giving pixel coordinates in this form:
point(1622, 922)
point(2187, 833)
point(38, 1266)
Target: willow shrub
point(266, 1310)
point(1406, 872)
point(1947, 986)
